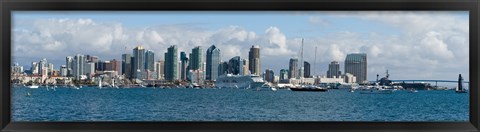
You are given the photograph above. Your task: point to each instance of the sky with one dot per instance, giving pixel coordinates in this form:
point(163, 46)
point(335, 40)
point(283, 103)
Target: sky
point(410, 44)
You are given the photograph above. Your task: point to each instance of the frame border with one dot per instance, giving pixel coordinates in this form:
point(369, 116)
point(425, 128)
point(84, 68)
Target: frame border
point(7, 6)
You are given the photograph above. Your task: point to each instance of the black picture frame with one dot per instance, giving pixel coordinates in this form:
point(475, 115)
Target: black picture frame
point(7, 6)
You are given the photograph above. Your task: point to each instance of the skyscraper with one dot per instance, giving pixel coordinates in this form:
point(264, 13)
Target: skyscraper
point(160, 69)
point(79, 66)
point(43, 67)
point(356, 64)
point(306, 70)
point(139, 62)
point(223, 68)
point(171, 62)
point(149, 60)
point(334, 69)
point(63, 70)
point(244, 68)
point(35, 68)
point(68, 63)
point(234, 65)
point(213, 63)
point(50, 69)
point(183, 66)
point(127, 65)
point(196, 59)
point(283, 74)
point(254, 60)
point(293, 68)
point(269, 75)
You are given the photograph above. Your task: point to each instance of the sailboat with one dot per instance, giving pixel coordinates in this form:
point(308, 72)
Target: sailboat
point(100, 83)
point(113, 84)
point(303, 87)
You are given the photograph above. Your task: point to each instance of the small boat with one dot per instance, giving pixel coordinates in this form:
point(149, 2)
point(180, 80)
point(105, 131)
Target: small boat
point(351, 90)
point(311, 88)
point(274, 89)
point(33, 86)
point(412, 91)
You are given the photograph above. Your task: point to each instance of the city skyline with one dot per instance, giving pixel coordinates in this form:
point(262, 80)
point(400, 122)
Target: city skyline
point(278, 42)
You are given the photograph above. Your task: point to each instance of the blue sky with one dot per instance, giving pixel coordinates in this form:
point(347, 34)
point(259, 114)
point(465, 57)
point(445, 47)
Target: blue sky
point(379, 34)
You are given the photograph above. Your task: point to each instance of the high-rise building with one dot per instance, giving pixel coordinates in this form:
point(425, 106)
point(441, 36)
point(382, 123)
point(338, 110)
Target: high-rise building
point(223, 68)
point(269, 75)
point(43, 67)
point(306, 70)
point(139, 62)
point(159, 66)
point(213, 67)
point(69, 61)
point(79, 66)
point(234, 65)
point(244, 68)
point(90, 68)
point(254, 60)
point(171, 62)
point(149, 60)
point(196, 59)
point(183, 66)
point(356, 64)
point(63, 70)
point(283, 74)
point(35, 68)
point(127, 65)
point(50, 69)
point(334, 70)
point(293, 68)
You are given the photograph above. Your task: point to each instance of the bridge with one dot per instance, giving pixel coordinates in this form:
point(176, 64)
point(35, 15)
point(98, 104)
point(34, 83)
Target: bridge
point(436, 81)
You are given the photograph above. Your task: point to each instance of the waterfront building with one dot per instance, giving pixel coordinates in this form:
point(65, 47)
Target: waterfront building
point(325, 79)
point(149, 61)
point(234, 65)
point(160, 69)
point(183, 66)
point(78, 66)
point(139, 62)
point(69, 64)
point(35, 68)
point(293, 68)
point(127, 65)
point(63, 71)
point(196, 59)
point(171, 62)
point(349, 78)
point(213, 67)
point(306, 70)
point(269, 75)
point(333, 69)
point(197, 76)
point(283, 74)
point(254, 60)
point(356, 64)
point(245, 70)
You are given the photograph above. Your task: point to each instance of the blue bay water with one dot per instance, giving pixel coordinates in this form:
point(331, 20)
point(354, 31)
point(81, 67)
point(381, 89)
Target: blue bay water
point(148, 104)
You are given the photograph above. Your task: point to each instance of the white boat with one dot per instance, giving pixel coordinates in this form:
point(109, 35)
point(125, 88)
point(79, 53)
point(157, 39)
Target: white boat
point(33, 86)
point(239, 81)
point(274, 89)
point(376, 90)
point(412, 91)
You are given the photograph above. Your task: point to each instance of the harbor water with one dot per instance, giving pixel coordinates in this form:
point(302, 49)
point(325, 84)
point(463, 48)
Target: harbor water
point(182, 104)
